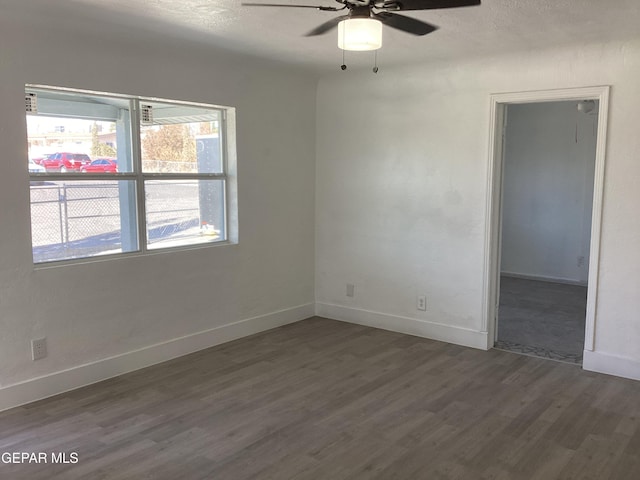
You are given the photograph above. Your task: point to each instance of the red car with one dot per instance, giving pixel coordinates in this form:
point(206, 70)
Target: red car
point(65, 162)
point(38, 160)
point(101, 165)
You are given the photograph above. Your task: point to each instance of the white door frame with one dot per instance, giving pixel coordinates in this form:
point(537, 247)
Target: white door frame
point(499, 103)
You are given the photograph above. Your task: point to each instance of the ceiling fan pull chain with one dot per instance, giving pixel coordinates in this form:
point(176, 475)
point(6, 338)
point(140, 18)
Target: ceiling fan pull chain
point(375, 61)
point(344, 65)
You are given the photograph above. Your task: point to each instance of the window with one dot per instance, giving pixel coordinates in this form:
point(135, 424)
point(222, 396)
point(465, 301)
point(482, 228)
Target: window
point(114, 174)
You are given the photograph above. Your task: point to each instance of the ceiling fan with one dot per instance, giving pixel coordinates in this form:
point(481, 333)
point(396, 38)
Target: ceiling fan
point(361, 28)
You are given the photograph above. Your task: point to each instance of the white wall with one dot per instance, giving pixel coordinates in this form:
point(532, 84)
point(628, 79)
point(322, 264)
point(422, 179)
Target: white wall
point(110, 308)
point(402, 186)
point(401, 162)
point(549, 163)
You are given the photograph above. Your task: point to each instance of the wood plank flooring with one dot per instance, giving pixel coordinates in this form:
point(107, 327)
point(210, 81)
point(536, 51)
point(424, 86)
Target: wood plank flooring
point(322, 399)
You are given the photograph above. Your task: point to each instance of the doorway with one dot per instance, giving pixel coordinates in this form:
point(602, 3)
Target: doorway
point(542, 253)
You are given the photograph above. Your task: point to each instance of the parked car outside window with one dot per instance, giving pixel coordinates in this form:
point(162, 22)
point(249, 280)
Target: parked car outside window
point(38, 160)
point(101, 165)
point(35, 168)
point(65, 162)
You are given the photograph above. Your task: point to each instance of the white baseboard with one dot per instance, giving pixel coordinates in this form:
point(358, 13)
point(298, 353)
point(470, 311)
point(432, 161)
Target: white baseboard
point(410, 326)
point(542, 278)
point(611, 364)
point(82, 375)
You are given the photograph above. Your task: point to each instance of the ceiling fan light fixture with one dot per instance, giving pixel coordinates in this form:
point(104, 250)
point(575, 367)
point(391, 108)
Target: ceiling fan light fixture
point(360, 34)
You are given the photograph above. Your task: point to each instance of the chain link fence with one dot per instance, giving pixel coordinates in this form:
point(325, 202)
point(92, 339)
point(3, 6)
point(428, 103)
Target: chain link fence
point(83, 219)
point(164, 166)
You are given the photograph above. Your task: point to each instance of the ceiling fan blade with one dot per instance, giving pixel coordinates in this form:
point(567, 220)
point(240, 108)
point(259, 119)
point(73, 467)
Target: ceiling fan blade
point(315, 7)
point(406, 24)
point(425, 4)
point(326, 26)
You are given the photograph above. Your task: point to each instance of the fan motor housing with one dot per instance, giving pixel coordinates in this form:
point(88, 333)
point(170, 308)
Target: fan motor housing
point(360, 11)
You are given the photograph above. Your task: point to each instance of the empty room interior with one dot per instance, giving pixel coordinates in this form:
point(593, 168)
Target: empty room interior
point(392, 240)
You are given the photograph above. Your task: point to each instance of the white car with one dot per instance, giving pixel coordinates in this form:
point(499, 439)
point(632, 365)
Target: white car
point(35, 168)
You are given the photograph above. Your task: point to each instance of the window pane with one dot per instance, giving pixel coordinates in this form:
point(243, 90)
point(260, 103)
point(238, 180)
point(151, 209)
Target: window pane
point(78, 219)
point(70, 131)
point(184, 212)
point(181, 139)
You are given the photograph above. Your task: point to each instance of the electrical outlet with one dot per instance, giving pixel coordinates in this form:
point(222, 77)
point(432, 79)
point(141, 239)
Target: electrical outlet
point(421, 303)
point(351, 289)
point(38, 348)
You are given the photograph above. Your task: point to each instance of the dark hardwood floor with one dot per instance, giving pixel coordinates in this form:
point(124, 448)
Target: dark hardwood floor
point(321, 399)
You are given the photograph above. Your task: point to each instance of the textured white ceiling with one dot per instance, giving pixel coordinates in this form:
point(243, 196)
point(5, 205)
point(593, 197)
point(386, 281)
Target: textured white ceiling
point(277, 33)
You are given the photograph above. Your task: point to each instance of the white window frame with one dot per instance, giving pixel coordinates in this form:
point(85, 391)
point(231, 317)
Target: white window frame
point(138, 176)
